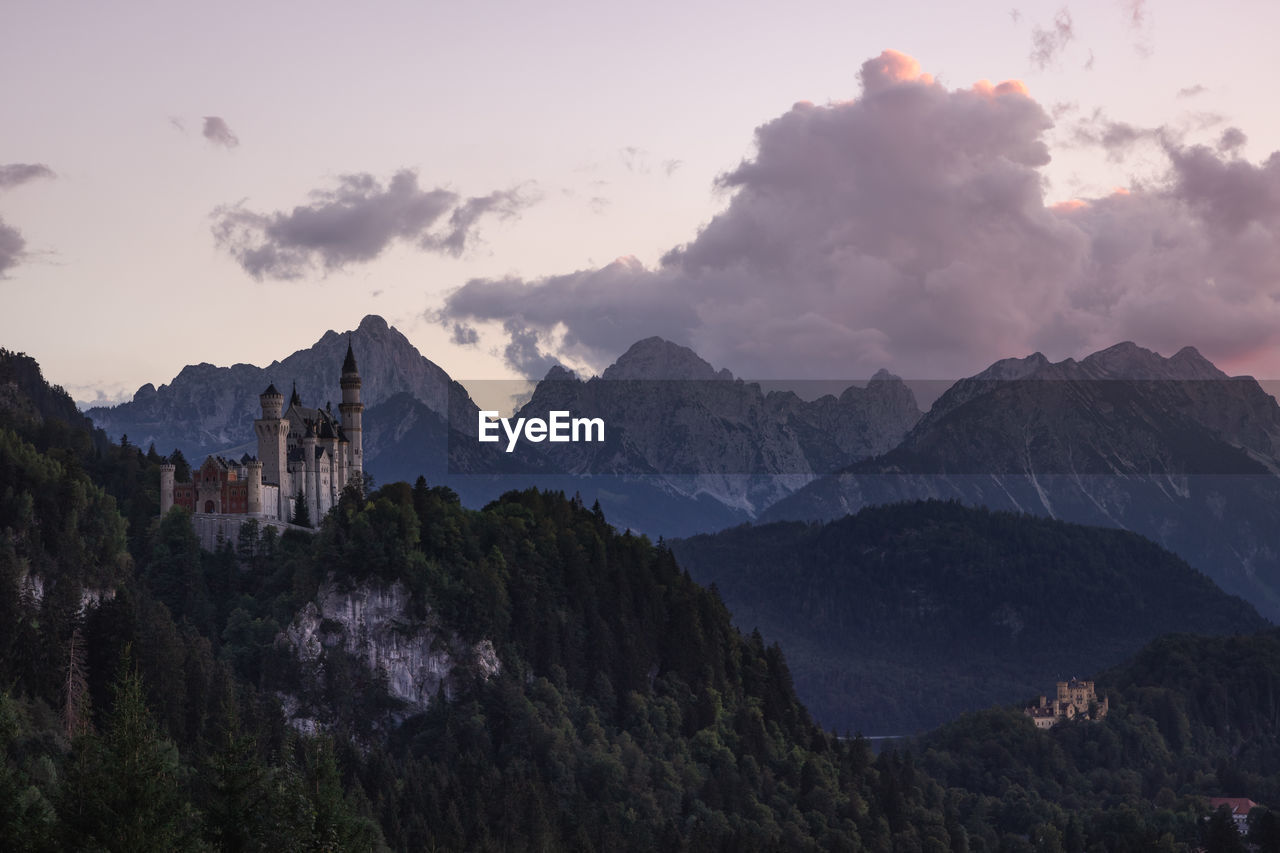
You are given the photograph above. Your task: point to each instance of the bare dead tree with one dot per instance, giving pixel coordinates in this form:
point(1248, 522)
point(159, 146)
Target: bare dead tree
point(75, 712)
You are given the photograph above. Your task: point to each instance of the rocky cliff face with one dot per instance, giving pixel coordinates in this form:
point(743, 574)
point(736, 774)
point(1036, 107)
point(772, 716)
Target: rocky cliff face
point(208, 409)
point(1169, 447)
point(413, 658)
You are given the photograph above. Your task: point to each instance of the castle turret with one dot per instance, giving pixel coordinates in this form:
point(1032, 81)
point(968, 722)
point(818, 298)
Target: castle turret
point(328, 439)
point(352, 410)
point(272, 402)
point(253, 504)
point(273, 435)
point(311, 475)
point(166, 488)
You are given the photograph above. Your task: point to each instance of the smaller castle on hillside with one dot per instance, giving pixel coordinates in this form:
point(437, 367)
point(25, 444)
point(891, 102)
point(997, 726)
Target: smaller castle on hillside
point(1075, 700)
point(304, 455)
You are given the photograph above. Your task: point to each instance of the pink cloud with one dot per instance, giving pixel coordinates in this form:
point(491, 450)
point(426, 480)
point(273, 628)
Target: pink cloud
point(908, 228)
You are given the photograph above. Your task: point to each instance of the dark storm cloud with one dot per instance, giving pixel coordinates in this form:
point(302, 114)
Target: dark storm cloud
point(16, 174)
point(908, 228)
point(464, 335)
point(218, 132)
point(12, 247)
point(1048, 42)
point(354, 223)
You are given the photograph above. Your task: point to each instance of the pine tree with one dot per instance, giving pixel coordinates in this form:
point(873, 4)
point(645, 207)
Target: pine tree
point(75, 708)
point(301, 515)
point(123, 789)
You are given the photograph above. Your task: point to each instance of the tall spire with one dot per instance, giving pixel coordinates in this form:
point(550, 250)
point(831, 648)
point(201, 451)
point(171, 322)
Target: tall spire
point(349, 364)
point(295, 400)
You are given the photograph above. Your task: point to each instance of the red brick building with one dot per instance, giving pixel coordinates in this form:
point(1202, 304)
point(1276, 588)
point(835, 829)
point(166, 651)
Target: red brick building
point(218, 486)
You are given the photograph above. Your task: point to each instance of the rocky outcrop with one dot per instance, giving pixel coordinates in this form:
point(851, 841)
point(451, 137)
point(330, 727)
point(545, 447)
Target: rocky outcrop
point(413, 658)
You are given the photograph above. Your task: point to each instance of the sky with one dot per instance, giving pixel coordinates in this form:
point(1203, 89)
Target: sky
point(810, 192)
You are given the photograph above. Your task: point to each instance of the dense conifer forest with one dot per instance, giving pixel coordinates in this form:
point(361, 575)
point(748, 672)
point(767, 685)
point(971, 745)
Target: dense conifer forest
point(141, 682)
point(900, 617)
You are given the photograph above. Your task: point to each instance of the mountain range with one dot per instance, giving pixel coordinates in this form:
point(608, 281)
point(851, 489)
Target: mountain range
point(419, 675)
point(207, 409)
point(1172, 448)
point(1168, 447)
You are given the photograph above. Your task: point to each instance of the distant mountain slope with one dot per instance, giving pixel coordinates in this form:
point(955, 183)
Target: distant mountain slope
point(1171, 448)
point(208, 409)
point(698, 431)
point(900, 617)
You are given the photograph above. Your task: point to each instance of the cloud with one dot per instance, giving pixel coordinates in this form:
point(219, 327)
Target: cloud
point(1232, 140)
point(1192, 91)
point(1135, 12)
point(1116, 138)
point(354, 223)
point(501, 204)
point(218, 132)
point(16, 174)
point(523, 350)
point(1048, 42)
point(908, 228)
point(1138, 19)
point(12, 248)
point(464, 335)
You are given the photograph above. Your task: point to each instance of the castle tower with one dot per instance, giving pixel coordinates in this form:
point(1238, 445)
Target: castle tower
point(311, 476)
point(329, 441)
point(166, 488)
point(352, 410)
point(344, 460)
point(273, 435)
point(254, 502)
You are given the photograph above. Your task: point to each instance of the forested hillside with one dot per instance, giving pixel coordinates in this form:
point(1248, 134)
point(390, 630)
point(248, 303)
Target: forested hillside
point(898, 618)
point(627, 712)
point(144, 685)
point(1193, 717)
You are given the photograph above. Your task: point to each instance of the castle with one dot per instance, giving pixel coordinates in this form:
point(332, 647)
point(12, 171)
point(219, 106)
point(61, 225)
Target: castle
point(1076, 699)
point(304, 455)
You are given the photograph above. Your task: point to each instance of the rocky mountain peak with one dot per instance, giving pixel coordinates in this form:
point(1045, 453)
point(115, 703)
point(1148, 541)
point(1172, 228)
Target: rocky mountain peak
point(373, 324)
point(560, 373)
point(210, 409)
point(1189, 363)
point(1127, 360)
point(658, 358)
point(1015, 368)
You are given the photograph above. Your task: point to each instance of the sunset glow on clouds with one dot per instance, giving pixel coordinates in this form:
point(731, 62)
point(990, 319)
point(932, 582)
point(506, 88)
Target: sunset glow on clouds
point(909, 228)
point(791, 198)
